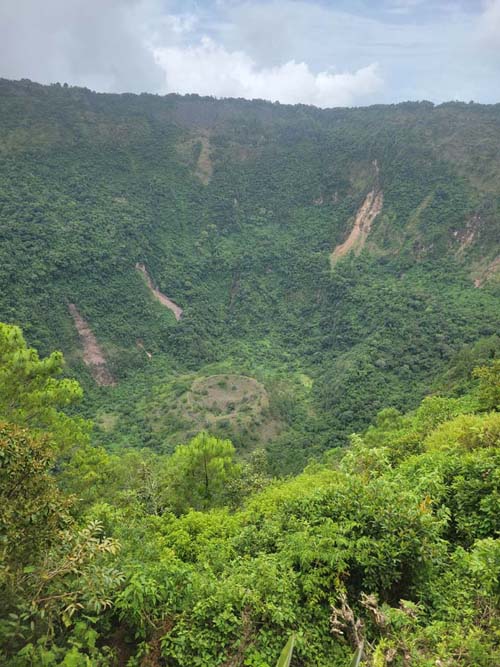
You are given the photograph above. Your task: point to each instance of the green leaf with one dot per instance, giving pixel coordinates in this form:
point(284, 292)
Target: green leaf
point(357, 657)
point(286, 655)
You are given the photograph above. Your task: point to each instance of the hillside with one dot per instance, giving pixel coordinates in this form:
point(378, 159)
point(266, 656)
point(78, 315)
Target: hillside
point(338, 259)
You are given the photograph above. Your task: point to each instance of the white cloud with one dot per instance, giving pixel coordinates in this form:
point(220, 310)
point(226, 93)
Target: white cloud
point(209, 69)
point(95, 43)
point(489, 24)
point(275, 49)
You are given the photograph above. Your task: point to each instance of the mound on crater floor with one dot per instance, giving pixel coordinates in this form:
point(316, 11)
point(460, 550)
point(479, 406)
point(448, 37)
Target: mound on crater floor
point(229, 405)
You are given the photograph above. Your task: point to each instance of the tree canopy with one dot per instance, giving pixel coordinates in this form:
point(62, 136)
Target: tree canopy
point(387, 550)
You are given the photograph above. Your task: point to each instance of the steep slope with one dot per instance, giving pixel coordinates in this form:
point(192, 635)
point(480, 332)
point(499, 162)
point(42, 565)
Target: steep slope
point(235, 208)
point(356, 240)
point(93, 355)
point(164, 300)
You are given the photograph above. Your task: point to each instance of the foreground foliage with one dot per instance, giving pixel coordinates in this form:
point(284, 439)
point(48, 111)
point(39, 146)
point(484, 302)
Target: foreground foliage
point(387, 550)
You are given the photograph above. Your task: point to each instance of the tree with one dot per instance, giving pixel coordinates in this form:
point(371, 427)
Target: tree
point(52, 573)
point(198, 473)
point(32, 509)
point(489, 385)
point(32, 396)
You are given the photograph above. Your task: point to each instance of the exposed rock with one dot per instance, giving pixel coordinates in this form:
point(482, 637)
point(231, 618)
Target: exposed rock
point(369, 210)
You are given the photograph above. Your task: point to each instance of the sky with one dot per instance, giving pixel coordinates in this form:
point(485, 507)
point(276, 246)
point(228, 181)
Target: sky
point(328, 53)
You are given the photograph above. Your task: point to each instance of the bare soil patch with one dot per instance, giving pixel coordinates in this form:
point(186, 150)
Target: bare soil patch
point(369, 210)
point(162, 298)
point(93, 356)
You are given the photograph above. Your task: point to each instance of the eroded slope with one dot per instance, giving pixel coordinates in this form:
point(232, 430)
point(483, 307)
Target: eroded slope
point(93, 355)
point(162, 298)
point(365, 216)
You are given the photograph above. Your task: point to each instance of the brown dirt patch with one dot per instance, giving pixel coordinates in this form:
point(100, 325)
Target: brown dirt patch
point(369, 210)
point(93, 356)
point(162, 298)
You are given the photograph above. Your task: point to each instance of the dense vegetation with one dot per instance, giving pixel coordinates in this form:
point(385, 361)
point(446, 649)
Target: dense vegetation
point(309, 456)
point(234, 207)
point(389, 547)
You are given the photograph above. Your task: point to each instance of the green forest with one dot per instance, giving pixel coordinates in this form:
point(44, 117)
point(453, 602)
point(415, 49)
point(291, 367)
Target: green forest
point(249, 382)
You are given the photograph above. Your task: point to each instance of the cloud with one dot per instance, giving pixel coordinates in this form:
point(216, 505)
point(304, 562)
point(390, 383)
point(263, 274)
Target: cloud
point(428, 53)
point(145, 45)
point(209, 69)
point(97, 44)
point(320, 52)
point(489, 24)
